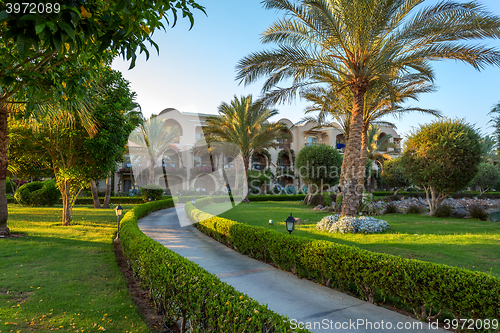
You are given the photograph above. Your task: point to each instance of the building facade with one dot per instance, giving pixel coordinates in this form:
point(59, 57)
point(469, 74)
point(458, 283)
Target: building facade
point(189, 168)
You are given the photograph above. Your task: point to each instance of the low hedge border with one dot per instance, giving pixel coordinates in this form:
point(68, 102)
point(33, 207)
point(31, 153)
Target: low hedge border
point(418, 284)
point(186, 293)
point(458, 195)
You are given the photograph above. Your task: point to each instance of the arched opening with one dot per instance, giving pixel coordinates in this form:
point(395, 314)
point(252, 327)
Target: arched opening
point(287, 142)
point(172, 183)
point(340, 142)
point(172, 123)
point(171, 159)
point(204, 184)
point(259, 161)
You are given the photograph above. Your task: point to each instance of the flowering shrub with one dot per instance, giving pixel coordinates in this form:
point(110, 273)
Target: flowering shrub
point(124, 170)
point(176, 171)
point(199, 170)
point(362, 224)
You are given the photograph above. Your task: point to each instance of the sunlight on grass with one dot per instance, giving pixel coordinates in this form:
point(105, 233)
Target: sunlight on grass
point(63, 278)
point(466, 243)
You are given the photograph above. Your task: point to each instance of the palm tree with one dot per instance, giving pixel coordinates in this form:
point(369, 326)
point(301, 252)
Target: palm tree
point(352, 45)
point(488, 148)
point(152, 139)
point(245, 123)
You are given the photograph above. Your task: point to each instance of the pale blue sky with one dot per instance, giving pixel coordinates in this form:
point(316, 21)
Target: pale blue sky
point(195, 70)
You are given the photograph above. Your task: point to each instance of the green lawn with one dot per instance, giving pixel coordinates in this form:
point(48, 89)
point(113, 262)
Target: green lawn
point(63, 278)
point(466, 243)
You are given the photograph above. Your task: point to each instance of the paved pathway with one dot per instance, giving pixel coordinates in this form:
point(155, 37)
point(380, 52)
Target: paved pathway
point(299, 299)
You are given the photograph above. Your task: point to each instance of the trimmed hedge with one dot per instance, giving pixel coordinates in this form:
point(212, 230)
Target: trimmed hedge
point(419, 284)
point(184, 291)
point(38, 193)
point(277, 197)
point(458, 195)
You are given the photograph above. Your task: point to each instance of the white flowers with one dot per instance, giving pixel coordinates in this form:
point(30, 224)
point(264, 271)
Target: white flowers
point(362, 224)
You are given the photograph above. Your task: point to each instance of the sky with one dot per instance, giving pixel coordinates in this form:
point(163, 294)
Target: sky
point(195, 69)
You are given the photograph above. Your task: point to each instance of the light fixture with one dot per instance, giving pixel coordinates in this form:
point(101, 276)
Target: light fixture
point(193, 201)
point(290, 223)
point(118, 212)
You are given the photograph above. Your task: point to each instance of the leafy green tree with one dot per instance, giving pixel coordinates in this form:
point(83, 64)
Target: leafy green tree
point(59, 138)
point(107, 148)
point(442, 157)
point(48, 56)
point(319, 166)
point(246, 124)
point(487, 177)
point(353, 45)
point(394, 175)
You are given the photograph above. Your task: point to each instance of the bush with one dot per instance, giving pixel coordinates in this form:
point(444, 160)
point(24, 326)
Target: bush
point(38, 193)
point(478, 212)
point(151, 193)
point(414, 209)
point(348, 224)
point(391, 208)
point(460, 292)
point(183, 291)
point(444, 210)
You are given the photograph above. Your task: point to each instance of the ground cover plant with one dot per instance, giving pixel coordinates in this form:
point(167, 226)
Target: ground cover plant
point(465, 243)
point(63, 278)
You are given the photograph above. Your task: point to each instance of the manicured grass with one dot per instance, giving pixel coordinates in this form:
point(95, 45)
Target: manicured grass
point(466, 243)
point(63, 278)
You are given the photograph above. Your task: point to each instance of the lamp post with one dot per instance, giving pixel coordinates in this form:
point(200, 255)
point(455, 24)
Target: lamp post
point(118, 211)
point(290, 223)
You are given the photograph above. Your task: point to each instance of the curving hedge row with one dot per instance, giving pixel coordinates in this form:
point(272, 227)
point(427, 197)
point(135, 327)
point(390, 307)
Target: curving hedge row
point(421, 285)
point(186, 293)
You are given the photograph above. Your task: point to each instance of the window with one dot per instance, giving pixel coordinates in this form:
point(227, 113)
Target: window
point(311, 140)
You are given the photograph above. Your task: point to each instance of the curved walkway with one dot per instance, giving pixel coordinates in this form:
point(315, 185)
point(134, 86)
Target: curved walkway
point(323, 308)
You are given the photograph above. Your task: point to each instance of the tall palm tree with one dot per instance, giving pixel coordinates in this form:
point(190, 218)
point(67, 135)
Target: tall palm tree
point(245, 123)
point(352, 45)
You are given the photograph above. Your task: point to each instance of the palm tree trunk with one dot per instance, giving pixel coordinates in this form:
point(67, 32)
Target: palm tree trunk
point(350, 191)
point(362, 160)
point(342, 168)
point(4, 140)
point(66, 214)
point(107, 196)
point(246, 160)
point(95, 194)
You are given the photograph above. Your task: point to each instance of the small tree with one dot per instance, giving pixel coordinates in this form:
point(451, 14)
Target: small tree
point(442, 157)
point(393, 175)
point(487, 177)
point(319, 166)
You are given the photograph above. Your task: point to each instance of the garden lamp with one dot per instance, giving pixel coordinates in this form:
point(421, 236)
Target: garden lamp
point(290, 223)
point(193, 201)
point(118, 211)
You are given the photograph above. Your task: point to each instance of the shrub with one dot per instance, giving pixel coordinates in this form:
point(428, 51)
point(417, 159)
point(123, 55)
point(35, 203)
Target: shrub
point(478, 212)
point(151, 192)
point(391, 208)
point(183, 291)
point(444, 210)
point(348, 224)
point(38, 193)
point(414, 209)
